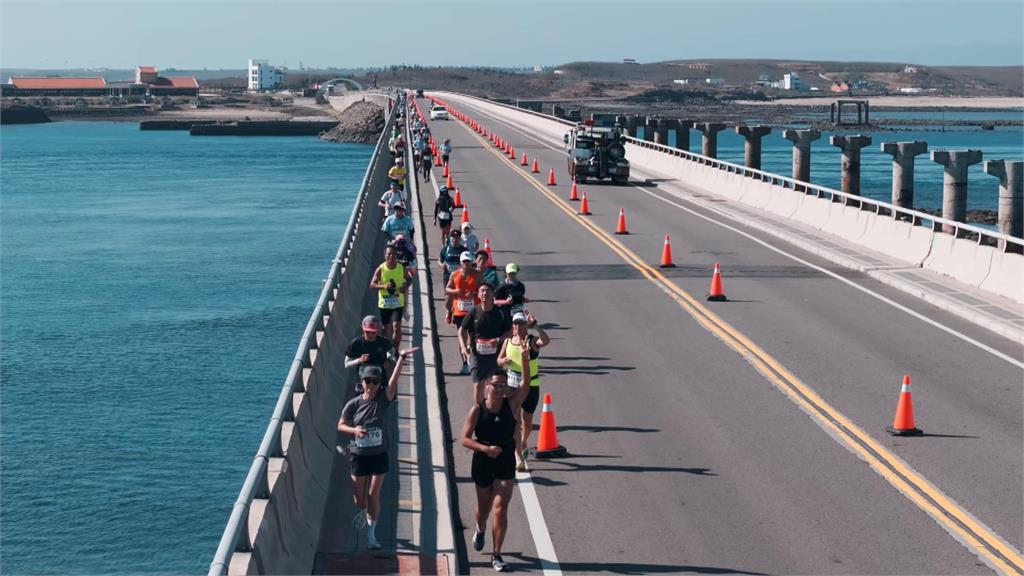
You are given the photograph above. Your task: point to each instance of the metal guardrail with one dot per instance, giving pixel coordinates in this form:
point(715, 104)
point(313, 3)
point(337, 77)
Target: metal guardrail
point(936, 223)
point(237, 536)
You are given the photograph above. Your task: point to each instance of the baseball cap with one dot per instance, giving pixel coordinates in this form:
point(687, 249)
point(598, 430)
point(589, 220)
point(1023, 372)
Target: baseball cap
point(511, 268)
point(466, 226)
point(519, 317)
point(466, 256)
point(400, 206)
point(370, 323)
point(371, 371)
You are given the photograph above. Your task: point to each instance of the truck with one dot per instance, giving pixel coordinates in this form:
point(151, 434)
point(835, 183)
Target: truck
point(597, 152)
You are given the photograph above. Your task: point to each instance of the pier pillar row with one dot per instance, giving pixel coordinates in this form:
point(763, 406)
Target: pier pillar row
point(683, 134)
point(650, 128)
point(1011, 196)
point(752, 144)
point(903, 154)
point(709, 143)
point(954, 183)
point(801, 140)
point(850, 165)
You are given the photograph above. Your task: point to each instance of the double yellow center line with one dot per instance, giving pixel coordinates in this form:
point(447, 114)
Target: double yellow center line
point(977, 537)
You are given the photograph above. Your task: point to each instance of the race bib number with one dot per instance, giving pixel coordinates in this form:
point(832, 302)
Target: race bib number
point(391, 301)
point(515, 378)
point(444, 215)
point(374, 437)
point(465, 304)
point(487, 346)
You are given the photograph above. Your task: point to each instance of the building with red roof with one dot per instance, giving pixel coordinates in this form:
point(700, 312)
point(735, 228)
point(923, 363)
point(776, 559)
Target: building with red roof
point(147, 81)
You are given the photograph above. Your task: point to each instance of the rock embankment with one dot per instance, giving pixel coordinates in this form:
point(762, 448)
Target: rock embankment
point(361, 123)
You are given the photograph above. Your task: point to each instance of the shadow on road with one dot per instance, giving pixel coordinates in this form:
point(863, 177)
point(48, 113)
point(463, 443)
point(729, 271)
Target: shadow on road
point(607, 429)
point(523, 561)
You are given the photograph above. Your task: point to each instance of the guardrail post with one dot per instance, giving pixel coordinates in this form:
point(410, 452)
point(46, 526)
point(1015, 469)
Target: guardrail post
point(903, 154)
point(954, 183)
point(752, 144)
point(709, 143)
point(683, 134)
point(850, 164)
point(801, 140)
point(1011, 197)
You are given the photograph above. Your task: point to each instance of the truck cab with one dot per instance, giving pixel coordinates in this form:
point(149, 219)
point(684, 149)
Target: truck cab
point(596, 152)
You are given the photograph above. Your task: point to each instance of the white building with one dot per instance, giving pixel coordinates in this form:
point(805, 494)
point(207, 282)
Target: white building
point(792, 81)
point(263, 76)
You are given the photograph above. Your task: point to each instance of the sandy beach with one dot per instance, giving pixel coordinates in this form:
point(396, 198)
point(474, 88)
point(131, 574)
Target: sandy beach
point(988, 103)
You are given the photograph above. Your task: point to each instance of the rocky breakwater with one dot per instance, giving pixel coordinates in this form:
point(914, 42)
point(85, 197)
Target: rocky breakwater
point(361, 123)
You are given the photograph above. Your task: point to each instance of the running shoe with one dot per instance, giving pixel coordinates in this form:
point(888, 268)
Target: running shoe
point(478, 540)
point(499, 564)
point(521, 466)
point(465, 369)
point(371, 540)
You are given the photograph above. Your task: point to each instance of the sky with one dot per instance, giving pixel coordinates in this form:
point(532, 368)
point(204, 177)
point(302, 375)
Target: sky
point(190, 34)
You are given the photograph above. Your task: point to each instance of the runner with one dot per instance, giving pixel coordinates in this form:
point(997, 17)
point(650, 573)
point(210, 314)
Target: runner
point(392, 282)
point(449, 256)
point(417, 146)
point(397, 173)
point(490, 276)
point(390, 198)
point(446, 150)
point(492, 421)
point(462, 296)
point(368, 349)
point(364, 417)
point(443, 207)
point(427, 161)
point(405, 250)
point(469, 239)
point(400, 146)
point(481, 336)
point(509, 359)
point(397, 223)
point(510, 295)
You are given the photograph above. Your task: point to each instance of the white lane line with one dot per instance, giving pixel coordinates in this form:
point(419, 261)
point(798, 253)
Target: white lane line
point(952, 331)
point(531, 504)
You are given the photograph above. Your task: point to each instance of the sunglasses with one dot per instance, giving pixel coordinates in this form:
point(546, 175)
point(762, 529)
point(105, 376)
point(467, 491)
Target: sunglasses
point(371, 381)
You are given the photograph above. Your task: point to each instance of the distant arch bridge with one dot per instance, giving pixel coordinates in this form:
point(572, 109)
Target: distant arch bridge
point(355, 85)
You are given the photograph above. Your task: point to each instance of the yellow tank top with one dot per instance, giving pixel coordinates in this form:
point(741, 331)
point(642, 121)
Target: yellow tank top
point(386, 300)
point(514, 370)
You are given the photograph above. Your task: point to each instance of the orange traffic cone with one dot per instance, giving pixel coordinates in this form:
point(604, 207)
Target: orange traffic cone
point(573, 193)
point(437, 159)
point(551, 177)
point(584, 205)
point(547, 439)
point(666, 255)
point(524, 161)
point(465, 215)
point(620, 228)
point(536, 167)
point(487, 248)
point(903, 423)
point(715, 294)
point(448, 181)
point(445, 173)
point(512, 152)
point(457, 200)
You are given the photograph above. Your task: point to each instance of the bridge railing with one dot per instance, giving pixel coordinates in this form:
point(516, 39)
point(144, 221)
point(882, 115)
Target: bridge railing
point(982, 235)
point(239, 537)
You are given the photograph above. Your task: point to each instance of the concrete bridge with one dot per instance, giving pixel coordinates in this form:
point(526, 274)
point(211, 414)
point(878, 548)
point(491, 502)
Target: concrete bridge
point(744, 436)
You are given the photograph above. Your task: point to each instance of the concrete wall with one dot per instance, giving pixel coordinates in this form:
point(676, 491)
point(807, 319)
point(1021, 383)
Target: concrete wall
point(964, 259)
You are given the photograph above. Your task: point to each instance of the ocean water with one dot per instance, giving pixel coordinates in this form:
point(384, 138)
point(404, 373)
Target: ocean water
point(876, 167)
point(153, 288)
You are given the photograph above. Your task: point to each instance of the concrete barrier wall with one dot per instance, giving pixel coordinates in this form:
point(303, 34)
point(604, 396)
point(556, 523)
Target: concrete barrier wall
point(965, 259)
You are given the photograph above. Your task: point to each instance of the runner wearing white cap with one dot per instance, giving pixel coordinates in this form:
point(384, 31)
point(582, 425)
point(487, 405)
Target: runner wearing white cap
point(462, 297)
point(509, 359)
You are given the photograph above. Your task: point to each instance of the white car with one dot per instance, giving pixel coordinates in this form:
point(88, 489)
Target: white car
point(438, 113)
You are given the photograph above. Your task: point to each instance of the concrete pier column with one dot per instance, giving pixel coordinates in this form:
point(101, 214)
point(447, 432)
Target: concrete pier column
point(632, 121)
point(903, 154)
point(850, 165)
point(752, 144)
point(801, 140)
point(650, 127)
point(661, 131)
point(709, 143)
point(683, 134)
point(954, 183)
point(623, 122)
point(1011, 196)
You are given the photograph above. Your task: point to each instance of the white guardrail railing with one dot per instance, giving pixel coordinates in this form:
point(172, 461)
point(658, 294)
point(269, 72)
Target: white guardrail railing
point(238, 535)
point(936, 223)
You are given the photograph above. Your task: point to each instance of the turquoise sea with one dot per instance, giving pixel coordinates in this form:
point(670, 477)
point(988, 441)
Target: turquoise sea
point(153, 288)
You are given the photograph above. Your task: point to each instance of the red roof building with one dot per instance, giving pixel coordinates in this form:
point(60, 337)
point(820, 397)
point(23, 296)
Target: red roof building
point(23, 82)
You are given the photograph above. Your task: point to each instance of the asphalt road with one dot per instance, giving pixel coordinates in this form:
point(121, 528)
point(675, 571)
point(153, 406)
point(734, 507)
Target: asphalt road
point(686, 456)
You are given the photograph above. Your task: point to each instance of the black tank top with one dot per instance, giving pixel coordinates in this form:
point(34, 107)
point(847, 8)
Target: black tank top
point(495, 429)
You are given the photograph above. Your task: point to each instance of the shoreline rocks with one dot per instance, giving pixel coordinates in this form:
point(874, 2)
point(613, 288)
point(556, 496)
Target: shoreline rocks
point(360, 123)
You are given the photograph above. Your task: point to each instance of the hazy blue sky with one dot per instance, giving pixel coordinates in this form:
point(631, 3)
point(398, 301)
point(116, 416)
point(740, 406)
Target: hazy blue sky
point(224, 34)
